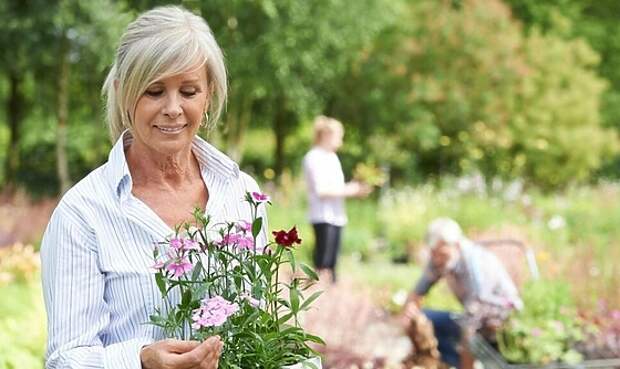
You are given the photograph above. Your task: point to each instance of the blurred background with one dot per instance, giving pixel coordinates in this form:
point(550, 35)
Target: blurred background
point(502, 114)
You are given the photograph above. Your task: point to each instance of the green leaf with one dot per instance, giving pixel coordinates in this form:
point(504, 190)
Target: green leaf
point(307, 302)
point(291, 258)
point(285, 318)
point(197, 270)
point(161, 283)
point(313, 338)
point(187, 297)
point(294, 296)
point(257, 225)
point(309, 272)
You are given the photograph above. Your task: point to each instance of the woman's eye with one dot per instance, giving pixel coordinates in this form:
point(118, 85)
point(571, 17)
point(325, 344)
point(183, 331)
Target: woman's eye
point(154, 93)
point(189, 92)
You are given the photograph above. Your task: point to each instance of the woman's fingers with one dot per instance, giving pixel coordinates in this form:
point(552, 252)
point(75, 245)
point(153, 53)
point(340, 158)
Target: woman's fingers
point(195, 357)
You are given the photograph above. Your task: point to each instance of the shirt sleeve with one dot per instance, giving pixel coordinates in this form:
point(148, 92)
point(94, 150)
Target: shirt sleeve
point(499, 290)
point(427, 280)
point(73, 289)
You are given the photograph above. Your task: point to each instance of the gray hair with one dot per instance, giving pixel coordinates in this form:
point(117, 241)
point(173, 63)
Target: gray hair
point(443, 229)
point(160, 43)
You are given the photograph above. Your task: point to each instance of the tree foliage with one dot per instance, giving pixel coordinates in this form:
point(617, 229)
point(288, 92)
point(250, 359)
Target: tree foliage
point(467, 90)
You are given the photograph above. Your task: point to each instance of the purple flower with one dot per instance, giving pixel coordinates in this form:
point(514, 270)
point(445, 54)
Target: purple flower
point(213, 312)
point(179, 266)
point(260, 197)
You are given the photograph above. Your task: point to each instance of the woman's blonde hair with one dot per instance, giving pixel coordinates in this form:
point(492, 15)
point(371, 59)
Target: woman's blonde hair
point(324, 125)
point(160, 43)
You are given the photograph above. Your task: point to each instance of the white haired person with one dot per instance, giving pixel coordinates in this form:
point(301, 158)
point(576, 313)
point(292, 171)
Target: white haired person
point(327, 190)
point(476, 277)
point(168, 79)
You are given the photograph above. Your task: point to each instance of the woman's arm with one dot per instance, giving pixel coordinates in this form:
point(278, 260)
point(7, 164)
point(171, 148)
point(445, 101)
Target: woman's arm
point(73, 287)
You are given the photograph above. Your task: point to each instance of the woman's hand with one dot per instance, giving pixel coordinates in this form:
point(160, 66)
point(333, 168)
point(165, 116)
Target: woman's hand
point(357, 189)
point(176, 354)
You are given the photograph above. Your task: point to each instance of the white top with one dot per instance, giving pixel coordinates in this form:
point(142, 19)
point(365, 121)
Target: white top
point(323, 174)
point(97, 253)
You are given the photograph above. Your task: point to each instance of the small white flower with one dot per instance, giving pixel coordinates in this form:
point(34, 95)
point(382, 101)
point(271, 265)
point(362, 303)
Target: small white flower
point(556, 222)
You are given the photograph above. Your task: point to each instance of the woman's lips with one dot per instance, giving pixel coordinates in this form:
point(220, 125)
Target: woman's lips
point(171, 129)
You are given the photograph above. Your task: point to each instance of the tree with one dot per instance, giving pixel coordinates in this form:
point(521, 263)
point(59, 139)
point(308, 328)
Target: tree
point(20, 38)
point(596, 21)
point(285, 56)
point(84, 32)
point(461, 88)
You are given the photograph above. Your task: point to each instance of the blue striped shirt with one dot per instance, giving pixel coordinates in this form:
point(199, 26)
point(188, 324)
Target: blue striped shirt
point(97, 252)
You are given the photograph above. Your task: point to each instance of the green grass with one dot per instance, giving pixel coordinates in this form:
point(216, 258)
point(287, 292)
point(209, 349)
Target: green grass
point(581, 250)
point(22, 326)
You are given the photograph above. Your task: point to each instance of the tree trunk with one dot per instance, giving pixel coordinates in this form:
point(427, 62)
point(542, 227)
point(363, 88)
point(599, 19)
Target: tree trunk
point(15, 111)
point(62, 165)
point(236, 127)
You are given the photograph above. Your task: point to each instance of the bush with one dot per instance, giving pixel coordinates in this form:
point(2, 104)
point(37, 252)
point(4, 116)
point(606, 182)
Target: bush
point(546, 330)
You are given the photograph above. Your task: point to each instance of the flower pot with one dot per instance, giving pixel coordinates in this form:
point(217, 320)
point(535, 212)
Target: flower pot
point(316, 361)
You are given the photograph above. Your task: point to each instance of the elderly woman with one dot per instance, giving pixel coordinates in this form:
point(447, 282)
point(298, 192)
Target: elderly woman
point(168, 80)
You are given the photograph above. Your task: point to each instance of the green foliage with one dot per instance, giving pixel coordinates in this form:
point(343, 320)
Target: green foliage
point(462, 88)
point(283, 56)
point(546, 329)
point(558, 106)
point(595, 21)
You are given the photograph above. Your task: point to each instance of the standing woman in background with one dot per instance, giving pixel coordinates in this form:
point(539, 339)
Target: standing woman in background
point(326, 193)
point(167, 80)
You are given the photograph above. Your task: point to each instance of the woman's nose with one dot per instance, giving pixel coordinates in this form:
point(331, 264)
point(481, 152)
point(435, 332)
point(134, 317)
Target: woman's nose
point(173, 108)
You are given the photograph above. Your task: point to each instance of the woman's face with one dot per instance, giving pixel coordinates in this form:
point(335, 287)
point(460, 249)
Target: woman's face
point(332, 140)
point(170, 111)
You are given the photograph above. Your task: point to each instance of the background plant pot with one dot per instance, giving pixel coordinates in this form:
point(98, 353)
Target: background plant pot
point(316, 361)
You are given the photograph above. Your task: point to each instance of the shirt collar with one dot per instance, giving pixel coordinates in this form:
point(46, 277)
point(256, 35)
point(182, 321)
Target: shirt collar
point(211, 161)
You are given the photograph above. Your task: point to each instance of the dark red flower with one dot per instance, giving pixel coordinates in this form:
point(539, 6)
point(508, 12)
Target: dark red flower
point(287, 239)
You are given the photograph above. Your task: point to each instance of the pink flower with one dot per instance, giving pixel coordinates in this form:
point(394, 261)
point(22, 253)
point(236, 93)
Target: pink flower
point(158, 265)
point(213, 312)
point(239, 241)
point(615, 315)
point(179, 267)
point(536, 332)
point(260, 197)
point(189, 244)
point(243, 226)
point(176, 243)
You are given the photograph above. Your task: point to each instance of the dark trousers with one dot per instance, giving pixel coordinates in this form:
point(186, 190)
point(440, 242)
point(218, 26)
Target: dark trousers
point(327, 246)
point(448, 334)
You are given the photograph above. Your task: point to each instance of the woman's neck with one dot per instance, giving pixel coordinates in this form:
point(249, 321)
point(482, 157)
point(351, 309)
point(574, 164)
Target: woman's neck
point(151, 168)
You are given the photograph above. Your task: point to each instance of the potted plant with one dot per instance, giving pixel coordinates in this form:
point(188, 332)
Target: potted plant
point(217, 279)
